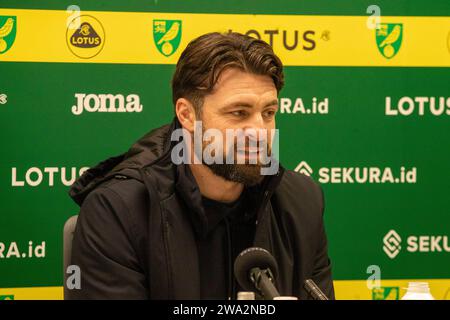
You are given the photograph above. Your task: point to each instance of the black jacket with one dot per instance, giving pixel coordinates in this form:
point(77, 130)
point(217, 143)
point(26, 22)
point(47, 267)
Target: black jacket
point(140, 217)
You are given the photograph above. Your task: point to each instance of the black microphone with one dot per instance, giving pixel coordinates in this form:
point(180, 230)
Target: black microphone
point(256, 268)
point(315, 292)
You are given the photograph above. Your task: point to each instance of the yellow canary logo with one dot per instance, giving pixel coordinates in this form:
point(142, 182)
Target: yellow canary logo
point(167, 35)
point(389, 39)
point(7, 33)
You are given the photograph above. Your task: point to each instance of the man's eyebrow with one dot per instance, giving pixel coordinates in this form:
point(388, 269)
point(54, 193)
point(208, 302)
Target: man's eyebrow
point(248, 105)
point(272, 103)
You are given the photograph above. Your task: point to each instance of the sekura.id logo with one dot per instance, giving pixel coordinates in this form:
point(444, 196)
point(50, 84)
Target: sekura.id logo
point(303, 106)
point(414, 244)
point(389, 39)
point(8, 30)
point(391, 244)
point(360, 175)
point(167, 36)
point(3, 98)
point(304, 168)
point(13, 249)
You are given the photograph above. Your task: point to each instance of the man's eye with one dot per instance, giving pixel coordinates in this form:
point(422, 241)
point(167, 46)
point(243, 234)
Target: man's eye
point(269, 113)
point(238, 113)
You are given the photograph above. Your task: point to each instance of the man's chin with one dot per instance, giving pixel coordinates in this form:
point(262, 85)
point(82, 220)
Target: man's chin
point(247, 174)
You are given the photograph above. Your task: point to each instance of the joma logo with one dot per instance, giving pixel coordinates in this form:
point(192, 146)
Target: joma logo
point(106, 103)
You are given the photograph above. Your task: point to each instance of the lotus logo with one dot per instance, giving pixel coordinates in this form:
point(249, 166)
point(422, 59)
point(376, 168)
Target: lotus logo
point(304, 168)
point(85, 36)
point(391, 243)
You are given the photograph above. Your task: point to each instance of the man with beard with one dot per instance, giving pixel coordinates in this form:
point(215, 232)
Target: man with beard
point(167, 219)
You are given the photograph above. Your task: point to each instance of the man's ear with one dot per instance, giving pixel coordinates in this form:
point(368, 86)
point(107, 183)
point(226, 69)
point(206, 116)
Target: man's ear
point(185, 113)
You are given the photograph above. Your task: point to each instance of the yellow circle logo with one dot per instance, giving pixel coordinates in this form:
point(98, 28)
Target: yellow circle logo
point(85, 37)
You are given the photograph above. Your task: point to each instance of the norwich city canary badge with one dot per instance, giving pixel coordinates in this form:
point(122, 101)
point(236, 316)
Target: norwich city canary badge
point(167, 36)
point(8, 27)
point(389, 39)
point(386, 293)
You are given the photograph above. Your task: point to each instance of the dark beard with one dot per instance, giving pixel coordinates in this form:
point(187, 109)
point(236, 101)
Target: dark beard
point(247, 174)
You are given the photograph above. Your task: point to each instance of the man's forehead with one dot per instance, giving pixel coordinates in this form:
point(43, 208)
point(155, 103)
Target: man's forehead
point(233, 78)
point(250, 100)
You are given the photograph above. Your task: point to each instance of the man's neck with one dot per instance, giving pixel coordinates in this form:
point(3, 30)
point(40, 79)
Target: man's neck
point(215, 187)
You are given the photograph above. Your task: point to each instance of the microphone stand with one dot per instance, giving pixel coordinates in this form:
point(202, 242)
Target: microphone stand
point(263, 283)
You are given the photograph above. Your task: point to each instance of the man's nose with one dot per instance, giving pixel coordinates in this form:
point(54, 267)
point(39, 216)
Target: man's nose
point(255, 128)
point(255, 122)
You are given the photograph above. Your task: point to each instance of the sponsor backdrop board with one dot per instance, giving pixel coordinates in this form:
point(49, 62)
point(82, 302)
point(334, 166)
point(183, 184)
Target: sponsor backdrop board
point(365, 112)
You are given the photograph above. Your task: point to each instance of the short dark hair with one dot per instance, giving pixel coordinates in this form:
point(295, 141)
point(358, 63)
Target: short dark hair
point(205, 57)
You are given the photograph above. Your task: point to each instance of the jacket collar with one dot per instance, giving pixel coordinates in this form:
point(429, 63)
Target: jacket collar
point(188, 189)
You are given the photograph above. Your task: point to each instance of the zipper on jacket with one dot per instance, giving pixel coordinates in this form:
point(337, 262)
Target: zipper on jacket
point(230, 287)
